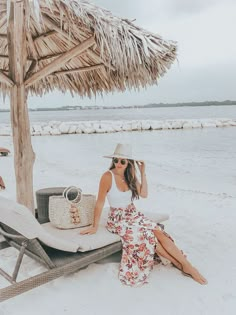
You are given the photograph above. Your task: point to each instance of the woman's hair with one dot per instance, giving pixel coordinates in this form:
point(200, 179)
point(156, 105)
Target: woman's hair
point(130, 178)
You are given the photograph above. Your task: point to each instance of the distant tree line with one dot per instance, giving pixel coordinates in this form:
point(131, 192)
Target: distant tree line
point(69, 107)
point(206, 103)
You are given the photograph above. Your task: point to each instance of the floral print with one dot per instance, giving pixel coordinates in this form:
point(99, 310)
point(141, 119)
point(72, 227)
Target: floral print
point(138, 242)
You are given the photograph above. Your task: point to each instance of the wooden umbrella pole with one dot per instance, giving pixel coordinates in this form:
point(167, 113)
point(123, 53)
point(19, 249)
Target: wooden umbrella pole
point(23, 153)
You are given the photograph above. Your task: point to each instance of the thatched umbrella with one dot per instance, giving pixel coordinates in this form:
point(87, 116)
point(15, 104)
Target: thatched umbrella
point(71, 46)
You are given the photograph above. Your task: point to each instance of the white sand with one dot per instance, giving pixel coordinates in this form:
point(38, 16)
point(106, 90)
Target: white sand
point(191, 177)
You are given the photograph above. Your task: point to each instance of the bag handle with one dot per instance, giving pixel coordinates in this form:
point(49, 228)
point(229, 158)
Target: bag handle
point(77, 198)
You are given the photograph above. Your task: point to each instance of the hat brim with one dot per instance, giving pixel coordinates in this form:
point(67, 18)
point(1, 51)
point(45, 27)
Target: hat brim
point(121, 157)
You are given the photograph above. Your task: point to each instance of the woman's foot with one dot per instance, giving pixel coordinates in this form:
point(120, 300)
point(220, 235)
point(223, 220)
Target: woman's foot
point(189, 270)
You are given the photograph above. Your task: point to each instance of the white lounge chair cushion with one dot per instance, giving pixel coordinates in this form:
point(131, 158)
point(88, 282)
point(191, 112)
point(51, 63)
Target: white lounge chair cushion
point(22, 220)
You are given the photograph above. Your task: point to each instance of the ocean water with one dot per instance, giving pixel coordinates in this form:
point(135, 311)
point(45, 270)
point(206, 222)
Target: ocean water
point(192, 161)
point(199, 160)
point(187, 112)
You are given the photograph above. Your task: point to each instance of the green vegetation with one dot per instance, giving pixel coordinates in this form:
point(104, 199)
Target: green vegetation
point(153, 105)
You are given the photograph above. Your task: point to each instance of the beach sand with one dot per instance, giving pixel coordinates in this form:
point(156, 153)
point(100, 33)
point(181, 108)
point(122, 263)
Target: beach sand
point(191, 176)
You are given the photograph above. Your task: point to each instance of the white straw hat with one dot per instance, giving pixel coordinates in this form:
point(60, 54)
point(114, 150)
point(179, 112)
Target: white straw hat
point(123, 151)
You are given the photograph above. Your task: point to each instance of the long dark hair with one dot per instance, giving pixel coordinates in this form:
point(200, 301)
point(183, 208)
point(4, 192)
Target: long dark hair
point(130, 178)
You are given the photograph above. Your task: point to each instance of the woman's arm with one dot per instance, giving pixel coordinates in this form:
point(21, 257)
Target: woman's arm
point(104, 187)
point(142, 187)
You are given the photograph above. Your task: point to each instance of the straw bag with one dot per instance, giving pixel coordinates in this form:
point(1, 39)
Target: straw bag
point(70, 214)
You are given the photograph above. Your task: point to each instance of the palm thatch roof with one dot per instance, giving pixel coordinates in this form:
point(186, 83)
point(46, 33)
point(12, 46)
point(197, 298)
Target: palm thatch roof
point(68, 45)
point(116, 55)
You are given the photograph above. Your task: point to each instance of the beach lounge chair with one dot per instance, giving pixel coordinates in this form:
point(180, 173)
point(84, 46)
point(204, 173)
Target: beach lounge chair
point(61, 251)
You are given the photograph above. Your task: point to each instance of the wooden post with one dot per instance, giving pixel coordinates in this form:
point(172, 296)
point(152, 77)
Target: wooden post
point(23, 153)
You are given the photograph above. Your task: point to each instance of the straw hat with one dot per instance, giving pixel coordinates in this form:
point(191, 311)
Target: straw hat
point(123, 151)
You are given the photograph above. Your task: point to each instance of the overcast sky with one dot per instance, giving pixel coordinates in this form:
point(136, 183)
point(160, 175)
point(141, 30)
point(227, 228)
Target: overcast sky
point(206, 67)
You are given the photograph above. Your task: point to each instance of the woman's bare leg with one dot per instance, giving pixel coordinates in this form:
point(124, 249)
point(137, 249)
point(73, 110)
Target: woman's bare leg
point(170, 247)
point(162, 252)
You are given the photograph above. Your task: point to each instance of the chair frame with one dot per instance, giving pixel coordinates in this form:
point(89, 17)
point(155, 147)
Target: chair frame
point(58, 263)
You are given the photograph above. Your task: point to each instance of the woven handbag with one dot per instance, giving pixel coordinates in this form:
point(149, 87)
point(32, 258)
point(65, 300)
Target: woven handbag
point(70, 214)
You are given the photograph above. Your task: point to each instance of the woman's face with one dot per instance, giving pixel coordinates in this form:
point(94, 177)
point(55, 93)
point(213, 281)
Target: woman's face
point(120, 163)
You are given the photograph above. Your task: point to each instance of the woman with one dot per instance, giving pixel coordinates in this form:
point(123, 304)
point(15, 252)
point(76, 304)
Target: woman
point(142, 239)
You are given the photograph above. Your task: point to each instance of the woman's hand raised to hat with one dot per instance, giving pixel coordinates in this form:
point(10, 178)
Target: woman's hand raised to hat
point(141, 167)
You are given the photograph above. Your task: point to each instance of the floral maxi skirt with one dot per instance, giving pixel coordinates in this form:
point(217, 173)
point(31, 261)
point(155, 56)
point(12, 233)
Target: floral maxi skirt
point(138, 243)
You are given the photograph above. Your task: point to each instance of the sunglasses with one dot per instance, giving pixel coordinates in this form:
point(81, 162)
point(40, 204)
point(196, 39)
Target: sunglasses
point(122, 161)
